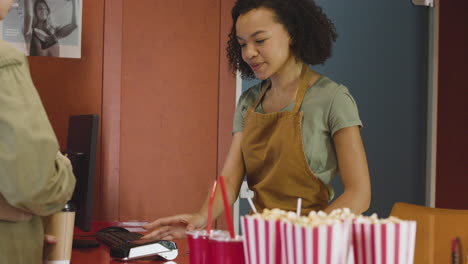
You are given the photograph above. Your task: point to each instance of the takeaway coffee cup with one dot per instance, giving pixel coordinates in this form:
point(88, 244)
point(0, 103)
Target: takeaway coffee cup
point(61, 226)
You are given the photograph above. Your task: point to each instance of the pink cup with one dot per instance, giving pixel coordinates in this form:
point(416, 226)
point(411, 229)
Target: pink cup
point(198, 246)
point(225, 250)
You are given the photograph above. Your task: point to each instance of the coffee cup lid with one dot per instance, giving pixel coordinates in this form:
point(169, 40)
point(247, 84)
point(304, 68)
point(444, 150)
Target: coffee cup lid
point(69, 207)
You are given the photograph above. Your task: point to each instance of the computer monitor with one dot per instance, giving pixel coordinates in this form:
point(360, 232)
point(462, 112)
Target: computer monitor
point(81, 150)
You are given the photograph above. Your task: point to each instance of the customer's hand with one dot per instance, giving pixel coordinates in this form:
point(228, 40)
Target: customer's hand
point(48, 241)
point(63, 157)
point(174, 227)
point(12, 214)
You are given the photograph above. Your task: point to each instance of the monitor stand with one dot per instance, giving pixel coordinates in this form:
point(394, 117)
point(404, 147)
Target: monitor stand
point(83, 243)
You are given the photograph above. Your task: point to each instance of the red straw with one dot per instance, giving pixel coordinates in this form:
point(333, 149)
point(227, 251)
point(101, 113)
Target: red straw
point(210, 208)
point(227, 209)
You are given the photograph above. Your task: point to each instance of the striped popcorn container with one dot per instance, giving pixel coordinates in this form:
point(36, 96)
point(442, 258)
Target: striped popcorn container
point(261, 240)
point(327, 244)
point(384, 243)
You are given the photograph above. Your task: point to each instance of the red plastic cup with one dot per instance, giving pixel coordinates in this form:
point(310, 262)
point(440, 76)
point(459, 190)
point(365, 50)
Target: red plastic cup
point(226, 250)
point(198, 246)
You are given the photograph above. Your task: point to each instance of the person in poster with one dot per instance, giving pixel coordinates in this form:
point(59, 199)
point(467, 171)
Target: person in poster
point(40, 30)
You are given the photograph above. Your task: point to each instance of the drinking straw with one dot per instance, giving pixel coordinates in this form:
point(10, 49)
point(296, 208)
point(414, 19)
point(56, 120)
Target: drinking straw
point(252, 206)
point(210, 208)
point(299, 205)
point(227, 209)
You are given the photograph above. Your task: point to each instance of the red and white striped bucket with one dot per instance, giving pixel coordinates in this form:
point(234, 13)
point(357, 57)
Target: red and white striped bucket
point(384, 243)
point(324, 244)
point(261, 240)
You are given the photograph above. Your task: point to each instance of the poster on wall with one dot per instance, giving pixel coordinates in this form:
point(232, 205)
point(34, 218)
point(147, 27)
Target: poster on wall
point(44, 27)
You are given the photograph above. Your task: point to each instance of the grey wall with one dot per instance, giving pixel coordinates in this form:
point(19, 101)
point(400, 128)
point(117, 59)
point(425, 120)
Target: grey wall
point(381, 56)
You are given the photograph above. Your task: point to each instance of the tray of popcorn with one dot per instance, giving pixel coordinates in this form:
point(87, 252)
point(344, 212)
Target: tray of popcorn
point(389, 240)
point(277, 237)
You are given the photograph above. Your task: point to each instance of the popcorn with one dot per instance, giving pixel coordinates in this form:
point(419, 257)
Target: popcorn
point(277, 236)
point(274, 214)
point(271, 236)
point(388, 240)
point(374, 219)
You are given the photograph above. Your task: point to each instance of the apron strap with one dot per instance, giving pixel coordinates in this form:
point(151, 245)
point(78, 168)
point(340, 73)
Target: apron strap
point(265, 86)
point(306, 75)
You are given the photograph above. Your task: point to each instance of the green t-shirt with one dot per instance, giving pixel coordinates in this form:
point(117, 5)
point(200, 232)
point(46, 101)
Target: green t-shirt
point(328, 107)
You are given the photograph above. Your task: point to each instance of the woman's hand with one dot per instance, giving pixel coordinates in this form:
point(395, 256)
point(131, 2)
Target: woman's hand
point(64, 31)
point(12, 214)
point(174, 227)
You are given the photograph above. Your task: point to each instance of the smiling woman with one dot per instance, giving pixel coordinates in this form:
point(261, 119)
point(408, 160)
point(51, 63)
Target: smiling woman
point(271, 40)
point(311, 33)
point(294, 131)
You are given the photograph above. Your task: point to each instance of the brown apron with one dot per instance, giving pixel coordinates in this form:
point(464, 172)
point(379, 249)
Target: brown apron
point(276, 166)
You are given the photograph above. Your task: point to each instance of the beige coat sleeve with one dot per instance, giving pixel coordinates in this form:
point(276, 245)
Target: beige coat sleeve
point(32, 176)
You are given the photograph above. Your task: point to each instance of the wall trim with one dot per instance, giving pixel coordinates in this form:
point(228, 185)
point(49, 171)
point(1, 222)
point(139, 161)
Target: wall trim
point(112, 82)
point(433, 70)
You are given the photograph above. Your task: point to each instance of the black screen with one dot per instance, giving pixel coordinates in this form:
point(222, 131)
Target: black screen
point(81, 150)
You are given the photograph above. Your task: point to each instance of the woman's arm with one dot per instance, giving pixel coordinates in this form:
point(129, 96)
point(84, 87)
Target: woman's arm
point(28, 19)
point(175, 226)
point(354, 172)
point(233, 172)
point(10, 213)
point(66, 30)
point(34, 176)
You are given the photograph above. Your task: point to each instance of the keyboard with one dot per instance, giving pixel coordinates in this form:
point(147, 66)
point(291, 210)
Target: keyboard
point(126, 245)
point(115, 236)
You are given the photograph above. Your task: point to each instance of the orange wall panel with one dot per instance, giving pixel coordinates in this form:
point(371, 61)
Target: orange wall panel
point(227, 86)
point(227, 94)
point(168, 143)
point(111, 93)
point(156, 73)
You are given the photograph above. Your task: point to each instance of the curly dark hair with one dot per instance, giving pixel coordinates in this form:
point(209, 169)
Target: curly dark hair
point(311, 31)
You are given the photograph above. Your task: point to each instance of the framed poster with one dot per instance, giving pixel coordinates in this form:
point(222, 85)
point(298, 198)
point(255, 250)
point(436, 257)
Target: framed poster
point(44, 27)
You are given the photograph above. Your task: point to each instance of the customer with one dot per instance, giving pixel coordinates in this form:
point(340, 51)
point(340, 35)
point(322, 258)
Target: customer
point(35, 179)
